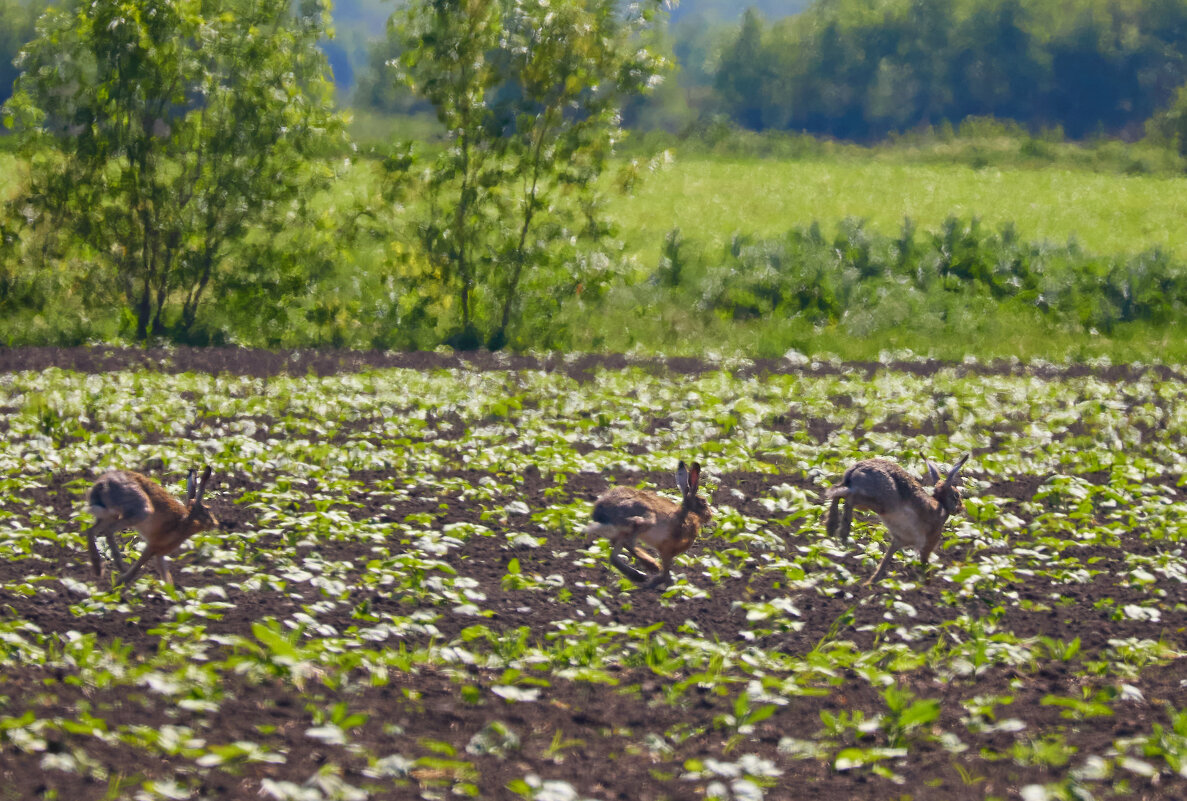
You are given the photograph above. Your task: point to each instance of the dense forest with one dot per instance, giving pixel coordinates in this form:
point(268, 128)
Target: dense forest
point(856, 69)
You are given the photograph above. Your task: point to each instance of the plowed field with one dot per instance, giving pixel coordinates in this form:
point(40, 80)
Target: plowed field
point(400, 602)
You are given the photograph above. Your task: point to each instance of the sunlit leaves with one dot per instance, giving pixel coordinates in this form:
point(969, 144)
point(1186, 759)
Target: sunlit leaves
point(158, 135)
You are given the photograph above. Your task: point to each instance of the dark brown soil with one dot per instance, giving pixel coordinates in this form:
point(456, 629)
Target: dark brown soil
point(264, 363)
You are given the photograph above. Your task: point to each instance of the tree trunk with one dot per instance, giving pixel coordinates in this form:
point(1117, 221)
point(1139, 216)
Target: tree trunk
point(144, 310)
point(499, 338)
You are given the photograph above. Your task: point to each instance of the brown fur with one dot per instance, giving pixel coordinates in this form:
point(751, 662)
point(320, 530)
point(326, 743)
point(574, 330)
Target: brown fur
point(124, 499)
point(914, 516)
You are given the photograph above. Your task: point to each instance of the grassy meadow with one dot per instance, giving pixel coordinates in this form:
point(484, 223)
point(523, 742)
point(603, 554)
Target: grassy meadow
point(710, 199)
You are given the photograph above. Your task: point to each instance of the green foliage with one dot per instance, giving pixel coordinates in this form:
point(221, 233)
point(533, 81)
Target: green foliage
point(529, 95)
point(906, 717)
point(1170, 124)
point(158, 136)
point(875, 282)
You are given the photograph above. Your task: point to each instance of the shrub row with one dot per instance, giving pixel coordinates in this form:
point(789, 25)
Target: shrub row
point(859, 274)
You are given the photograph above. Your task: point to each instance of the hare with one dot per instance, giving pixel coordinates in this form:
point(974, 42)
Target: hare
point(914, 517)
point(623, 515)
point(122, 500)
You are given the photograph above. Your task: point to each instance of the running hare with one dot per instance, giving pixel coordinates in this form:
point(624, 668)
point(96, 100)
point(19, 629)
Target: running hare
point(122, 500)
point(623, 515)
point(914, 517)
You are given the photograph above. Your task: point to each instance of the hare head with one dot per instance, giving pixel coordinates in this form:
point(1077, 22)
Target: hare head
point(688, 482)
point(947, 491)
point(198, 516)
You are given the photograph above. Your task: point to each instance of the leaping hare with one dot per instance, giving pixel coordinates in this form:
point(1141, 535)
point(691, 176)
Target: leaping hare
point(623, 515)
point(122, 500)
point(914, 517)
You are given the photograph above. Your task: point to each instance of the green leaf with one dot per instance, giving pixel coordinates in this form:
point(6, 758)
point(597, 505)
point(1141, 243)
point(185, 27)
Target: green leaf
point(920, 713)
point(276, 643)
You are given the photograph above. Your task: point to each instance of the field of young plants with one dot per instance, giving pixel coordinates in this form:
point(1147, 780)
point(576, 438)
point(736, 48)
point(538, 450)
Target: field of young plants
point(400, 602)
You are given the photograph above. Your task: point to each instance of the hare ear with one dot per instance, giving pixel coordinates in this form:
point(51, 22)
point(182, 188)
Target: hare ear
point(190, 485)
point(694, 478)
point(682, 478)
point(933, 472)
point(202, 484)
point(954, 473)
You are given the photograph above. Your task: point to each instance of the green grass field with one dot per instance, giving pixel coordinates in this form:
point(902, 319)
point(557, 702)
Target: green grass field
point(710, 199)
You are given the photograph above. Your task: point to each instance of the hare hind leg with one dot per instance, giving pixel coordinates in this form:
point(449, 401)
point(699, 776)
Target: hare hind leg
point(626, 538)
point(105, 527)
point(626, 568)
point(92, 549)
point(116, 556)
point(132, 518)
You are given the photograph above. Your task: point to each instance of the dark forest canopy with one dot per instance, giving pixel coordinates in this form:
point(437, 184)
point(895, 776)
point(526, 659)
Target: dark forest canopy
point(860, 69)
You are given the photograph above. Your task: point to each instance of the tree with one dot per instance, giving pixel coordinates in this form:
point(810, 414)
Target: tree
point(160, 133)
point(529, 94)
point(742, 74)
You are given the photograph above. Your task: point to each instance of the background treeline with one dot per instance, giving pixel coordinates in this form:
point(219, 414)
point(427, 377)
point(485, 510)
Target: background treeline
point(856, 69)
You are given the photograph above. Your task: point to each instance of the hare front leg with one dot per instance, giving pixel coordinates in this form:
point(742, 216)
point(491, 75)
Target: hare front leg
point(668, 551)
point(627, 541)
point(162, 563)
point(643, 557)
point(925, 554)
point(127, 577)
point(663, 577)
point(92, 533)
point(885, 563)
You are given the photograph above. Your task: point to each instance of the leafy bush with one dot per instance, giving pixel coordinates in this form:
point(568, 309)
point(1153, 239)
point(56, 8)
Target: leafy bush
point(871, 282)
